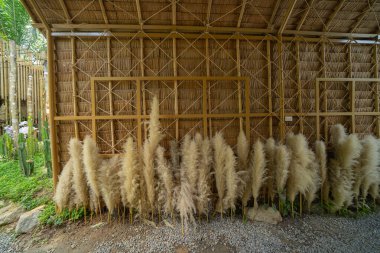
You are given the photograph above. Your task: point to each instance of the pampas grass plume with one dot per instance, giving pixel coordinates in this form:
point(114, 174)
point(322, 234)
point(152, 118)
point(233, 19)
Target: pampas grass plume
point(166, 177)
point(79, 177)
point(258, 170)
point(64, 187)
point(232, 180)
point(91, 161)
point(219, 167)
point(109, 178)
point(282, 161)
point(203, 187)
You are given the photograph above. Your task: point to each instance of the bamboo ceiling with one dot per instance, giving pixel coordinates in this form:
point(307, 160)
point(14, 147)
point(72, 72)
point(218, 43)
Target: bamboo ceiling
point(268, 67)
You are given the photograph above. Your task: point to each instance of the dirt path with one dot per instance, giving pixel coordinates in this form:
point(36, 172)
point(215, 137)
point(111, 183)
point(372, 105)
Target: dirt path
point(313, 233)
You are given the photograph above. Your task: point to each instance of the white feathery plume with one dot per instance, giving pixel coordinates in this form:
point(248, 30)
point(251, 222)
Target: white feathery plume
point(166, 177)
point(109, 183)
point(270, 149)
point(64, 189)
point(258, 170)
point(219, 168)
point(204, 187)
point(282, 161)
point(232, 180)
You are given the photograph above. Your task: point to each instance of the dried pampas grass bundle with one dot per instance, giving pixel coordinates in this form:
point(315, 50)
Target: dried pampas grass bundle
point(258, 170)
point(174, 158)
point(64, 187)
point(164, 172)
point(281, 161)
point(270, 150)
point(91, 162)
point(110, 183)
point(149, 150)
point(232, 180)
point(242, 165)
point(204, 185)
point(130, 176)
point(346, 151)
point(369, 164)
point(300, 178)
point(79, 177)
point(315, 180)
point(219, 146)
point(185, 199)
point(321, 159)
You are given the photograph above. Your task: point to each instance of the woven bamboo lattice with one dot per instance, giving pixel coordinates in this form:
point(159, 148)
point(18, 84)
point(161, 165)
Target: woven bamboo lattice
point(192, 54)
point(28, 64)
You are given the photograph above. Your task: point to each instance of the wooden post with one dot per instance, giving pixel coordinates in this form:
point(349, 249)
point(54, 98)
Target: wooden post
point(270, 106)
point(247, 109)
point(317, 111)
point(142, 85)
point(204, 107)
point(52, 108)
point(209, 86)
point(175, 87)
point(138, 109)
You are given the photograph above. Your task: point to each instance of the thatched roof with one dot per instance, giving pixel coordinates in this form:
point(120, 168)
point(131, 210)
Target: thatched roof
point(220, 16)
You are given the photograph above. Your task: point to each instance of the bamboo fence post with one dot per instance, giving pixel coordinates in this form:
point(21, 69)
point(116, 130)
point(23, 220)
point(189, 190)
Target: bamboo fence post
point(209, 86)
point(175, 70)
point(29, 97)
point(352, 91)
point(18, 89)
point(142, 85)
point(238, 63)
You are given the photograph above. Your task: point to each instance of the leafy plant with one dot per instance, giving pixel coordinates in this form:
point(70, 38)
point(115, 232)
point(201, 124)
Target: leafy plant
point(50, 217)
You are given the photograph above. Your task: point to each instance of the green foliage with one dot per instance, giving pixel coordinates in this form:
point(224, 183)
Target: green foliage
point(15, 25)
point(46, 148)
point(29, 191)
point(50, 217)
point(6, 147)
point(13, 20)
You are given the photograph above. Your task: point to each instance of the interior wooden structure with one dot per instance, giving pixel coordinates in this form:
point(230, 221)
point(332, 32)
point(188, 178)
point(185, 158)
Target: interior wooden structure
point(267, 67)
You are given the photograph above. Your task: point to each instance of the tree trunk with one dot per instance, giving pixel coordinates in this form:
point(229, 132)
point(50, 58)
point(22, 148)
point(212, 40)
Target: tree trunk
point(29, 96)
point(12, 90)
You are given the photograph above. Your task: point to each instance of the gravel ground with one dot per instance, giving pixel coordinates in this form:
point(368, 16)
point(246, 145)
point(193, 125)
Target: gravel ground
point(6, 243)
point(313, 233)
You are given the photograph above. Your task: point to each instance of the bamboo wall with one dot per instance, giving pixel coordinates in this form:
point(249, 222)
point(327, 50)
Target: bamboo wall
point(281, 78)
point(28, 63)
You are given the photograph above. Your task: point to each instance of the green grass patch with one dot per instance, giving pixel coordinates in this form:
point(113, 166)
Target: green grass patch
point(31, 191)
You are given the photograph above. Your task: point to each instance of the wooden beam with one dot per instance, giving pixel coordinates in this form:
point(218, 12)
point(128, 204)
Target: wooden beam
point(110, 98)
point(175, 83)
point(287, 16)
point(74, 83)
point(333, 15)
point(305, 14)
point(325, 107)
point(65, 11)
point(281, 89)
point(39, 14)
point(238, 66)
point(242, 10)
point(221, 31)
point(362, 16)
point(104, 13)
point(274, 12)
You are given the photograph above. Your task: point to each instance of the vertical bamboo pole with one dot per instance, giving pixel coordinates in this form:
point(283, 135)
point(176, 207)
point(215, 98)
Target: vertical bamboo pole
point(175, 72)
point(376, 93)
point(317, 111)
point(325, 107)
point(138, 109)
point(352, 90)
point(52, 108)
point(204, 107)
point(240, 104)
point(353, 125)
point(142, 83)
point(93, 109)
point(209, 86)
point(175, 88)
point(109, 72)
point(247, 109)
point(74, 84)
point(282, 90)
point(29, 97)
point(13, 90)
point(269, 76)
point(299, 85)
point(34, 96)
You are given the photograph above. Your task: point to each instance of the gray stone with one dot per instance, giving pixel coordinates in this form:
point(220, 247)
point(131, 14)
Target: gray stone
point(10, 214)
point(267, 215)
point(28, 221)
